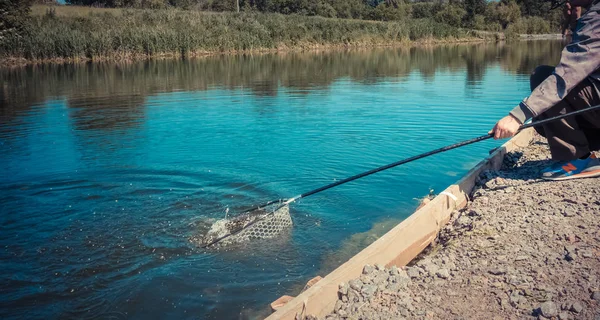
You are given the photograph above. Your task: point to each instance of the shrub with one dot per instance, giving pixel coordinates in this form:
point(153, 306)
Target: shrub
point(452, 15)
point(173, 31)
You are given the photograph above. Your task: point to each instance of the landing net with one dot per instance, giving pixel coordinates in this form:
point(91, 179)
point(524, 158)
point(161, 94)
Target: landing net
point(264, 223)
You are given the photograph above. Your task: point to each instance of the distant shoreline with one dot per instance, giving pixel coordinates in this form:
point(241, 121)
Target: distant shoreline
point(75, 34)
point(9, 62)
point(71, 34)
point(549, 36)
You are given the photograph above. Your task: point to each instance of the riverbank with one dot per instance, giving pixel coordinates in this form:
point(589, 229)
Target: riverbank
point(64, 34)
point(523, 248)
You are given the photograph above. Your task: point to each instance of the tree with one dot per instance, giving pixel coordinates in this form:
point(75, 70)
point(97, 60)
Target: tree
point(452, 15)
point(13, 17)
point(473, 8)
point(508, 12)
point(534, 7)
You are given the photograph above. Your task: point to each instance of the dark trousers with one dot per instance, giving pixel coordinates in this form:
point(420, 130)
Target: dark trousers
point(572, 137)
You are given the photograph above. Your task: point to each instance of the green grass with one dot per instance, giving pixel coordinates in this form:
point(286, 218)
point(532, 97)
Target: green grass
point(72, 11)
point(91, 33)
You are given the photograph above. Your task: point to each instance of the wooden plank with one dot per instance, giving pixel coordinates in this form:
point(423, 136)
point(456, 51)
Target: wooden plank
point(282, 301)
point(401, 244)
point(494, 161)
point(312, 282)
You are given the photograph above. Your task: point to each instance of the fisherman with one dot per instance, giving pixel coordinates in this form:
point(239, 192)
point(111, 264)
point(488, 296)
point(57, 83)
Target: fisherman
point(572, 85)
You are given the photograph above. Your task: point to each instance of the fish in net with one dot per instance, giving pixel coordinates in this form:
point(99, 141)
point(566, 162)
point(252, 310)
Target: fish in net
point(262, 223)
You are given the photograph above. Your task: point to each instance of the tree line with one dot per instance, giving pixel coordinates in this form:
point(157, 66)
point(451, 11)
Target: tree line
point(525, 16)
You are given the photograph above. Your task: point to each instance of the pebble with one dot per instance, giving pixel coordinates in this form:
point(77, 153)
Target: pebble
point(443, 273)
point(413, 272)
point(343, 288)
point(596, 295)
point(563, 316)
point(394, 271)
point(355, 284)
point(338, 305)
point(521, 258)
point(548, 309)
point(368, 269)
point(576, 307)
point(369, 290)
point(497, 272)
point(463, 221)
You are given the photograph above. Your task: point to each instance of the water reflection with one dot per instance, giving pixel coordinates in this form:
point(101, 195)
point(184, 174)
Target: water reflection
point(120, 89)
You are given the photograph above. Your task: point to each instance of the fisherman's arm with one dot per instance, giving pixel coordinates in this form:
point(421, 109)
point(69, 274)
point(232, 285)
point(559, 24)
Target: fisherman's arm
point(578, 60)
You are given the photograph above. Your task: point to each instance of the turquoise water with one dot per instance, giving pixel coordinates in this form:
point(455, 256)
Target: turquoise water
point(109, 169)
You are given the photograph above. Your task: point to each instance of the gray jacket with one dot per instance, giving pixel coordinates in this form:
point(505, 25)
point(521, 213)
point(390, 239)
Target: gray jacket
point(580, 59)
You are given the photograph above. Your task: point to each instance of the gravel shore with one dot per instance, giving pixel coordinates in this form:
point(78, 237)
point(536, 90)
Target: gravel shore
point(522, 249)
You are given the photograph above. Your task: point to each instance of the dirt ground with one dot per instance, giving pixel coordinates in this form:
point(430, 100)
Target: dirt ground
point(523, 249)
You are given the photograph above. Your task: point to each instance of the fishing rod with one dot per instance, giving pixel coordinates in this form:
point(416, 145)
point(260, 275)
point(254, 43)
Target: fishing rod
point(283, 203)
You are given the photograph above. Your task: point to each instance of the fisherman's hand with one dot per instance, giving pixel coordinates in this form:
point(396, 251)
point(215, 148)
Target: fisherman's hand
point(506, 127)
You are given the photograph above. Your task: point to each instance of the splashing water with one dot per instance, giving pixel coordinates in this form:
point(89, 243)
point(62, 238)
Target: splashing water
point(265, 223)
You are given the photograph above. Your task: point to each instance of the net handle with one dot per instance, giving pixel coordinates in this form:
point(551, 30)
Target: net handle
point(395, 164)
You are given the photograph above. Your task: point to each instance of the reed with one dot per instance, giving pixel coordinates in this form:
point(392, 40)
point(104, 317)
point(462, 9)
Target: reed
point(97, 34)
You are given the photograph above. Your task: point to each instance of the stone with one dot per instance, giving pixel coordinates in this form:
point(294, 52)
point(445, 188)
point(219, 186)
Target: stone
point(338, 305)
point(548, 309)
point(355, 284)
point(576, 307)
point(395, 287)
point(596, 295)
point(403, 275)
point(379, 267)
point(463, 221)
point(521, 258)
point(343, 288)
point(413, 272)
point(366, 278)
point(353, 296)
point(381, 278)
point(394, 271)
point(568, 212)
point(368, 269)
point(430, 268)
point(563, 316)
point(497, 272)
point(369, 290)
point(586, 254)
point(443, 273)
point(451, 266)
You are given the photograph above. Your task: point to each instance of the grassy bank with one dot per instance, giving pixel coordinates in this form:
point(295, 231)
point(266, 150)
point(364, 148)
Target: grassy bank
point(71, 33)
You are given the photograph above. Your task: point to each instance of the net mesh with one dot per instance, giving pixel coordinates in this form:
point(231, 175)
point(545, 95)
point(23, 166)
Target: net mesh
point(258, 224)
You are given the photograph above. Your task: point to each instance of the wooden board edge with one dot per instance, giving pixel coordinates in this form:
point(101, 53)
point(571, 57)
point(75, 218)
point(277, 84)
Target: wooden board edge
point(402, 243)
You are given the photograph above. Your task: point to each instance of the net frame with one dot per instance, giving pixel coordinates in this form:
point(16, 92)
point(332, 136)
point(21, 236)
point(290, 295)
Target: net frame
point(261, 223)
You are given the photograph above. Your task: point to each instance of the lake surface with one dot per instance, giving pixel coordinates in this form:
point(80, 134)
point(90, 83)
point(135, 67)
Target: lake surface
point(107, 170)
